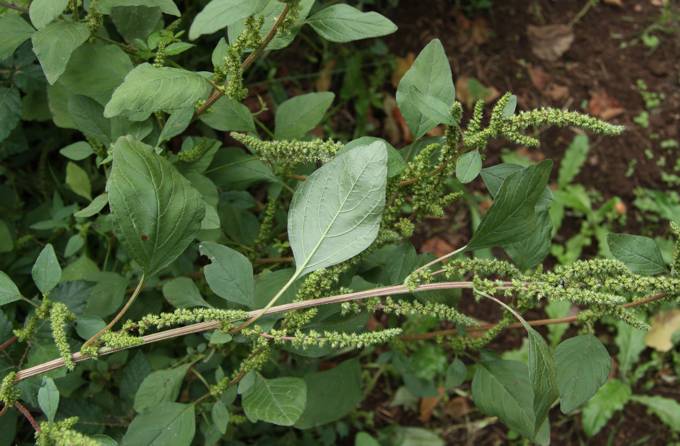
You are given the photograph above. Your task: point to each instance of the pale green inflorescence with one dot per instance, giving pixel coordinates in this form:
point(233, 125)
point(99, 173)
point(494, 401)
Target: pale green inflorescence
point(61, 433)
point(290, 152)
point(60, 316)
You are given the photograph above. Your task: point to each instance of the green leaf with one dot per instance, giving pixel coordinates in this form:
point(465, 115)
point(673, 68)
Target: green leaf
point(156, 210)
point(341, 384)
point(543, 377)
point(220, 416)
point(530, 252)
point(297, 116)
point(6, 238)
point(228, 115)
point(582, 365)
point(431, 75)
point(455, 374)
point(219, 14)
point(147, 89)
point(414, 436)
point(335, 214)
point(494, 177)
point(230, 274)
point(178, 121)
point(94, 207)
point(160, 386)
point(10, 111)
point(631, 342)
point(512, 217)
point(78, 180)
point(343, 23)
point(502, 388)
point(395, 161)
point(8, 290)
point(573, 160)
point(163, 425)
point(54, 44)
point(365, 439)
point(46, 271)
point(233, 169)
point(182, 292)
point(77, 151)
point(611, 397)
point(666, 409)
point(431, 107)
point(43, 12)
point(278, 401)
point(13, 32)
point(48, 398)
point(166, 6)
point(468, 166)
point(640, 254)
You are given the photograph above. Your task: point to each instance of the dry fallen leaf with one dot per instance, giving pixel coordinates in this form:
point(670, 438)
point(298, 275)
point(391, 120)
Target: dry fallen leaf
point(437, 246)
point(469, 90)
point(539, 78)
point(557, 92)
point(551, 41)
point(457, 407)
point(604, 106)
point(323, 83)
point(614, 2)
point(401, 67)
point(664, 324)
point(393, 123)
point(427, 405)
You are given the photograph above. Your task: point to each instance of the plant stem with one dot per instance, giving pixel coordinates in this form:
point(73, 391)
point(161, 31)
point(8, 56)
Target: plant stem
point(118, 316)
point(27, 414)
point(271, 303)
point(440, 259)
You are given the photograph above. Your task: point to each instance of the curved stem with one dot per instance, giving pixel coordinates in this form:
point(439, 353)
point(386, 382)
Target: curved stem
point(118, 316)
point(271, 303)
point(27, 414)
point(440, 259)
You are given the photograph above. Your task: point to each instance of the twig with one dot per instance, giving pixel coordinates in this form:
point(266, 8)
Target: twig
point(25, 412)
point(252, 57)
point(8, 343)
point(273, 260)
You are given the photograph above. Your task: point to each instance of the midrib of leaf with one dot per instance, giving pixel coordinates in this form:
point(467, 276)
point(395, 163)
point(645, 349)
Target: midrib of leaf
point(510, 396)
point(160, 431)
point(276, 403)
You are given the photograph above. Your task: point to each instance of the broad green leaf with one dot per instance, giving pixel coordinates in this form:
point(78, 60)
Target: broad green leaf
point(13, 32)
point(6, 238)
point(640, 254)
point(278, 401)
point(395, 161)
point(556, 309)
point(162, 425)
point(220, 416)
point(228, 115)
point(573, 160)
point(75, 242)
point(494, 177)
point(78, 180)
point(431, 75)
point(455, 374)
point(87, 115)
point(160, 386)
point(178, 121)
point(219, 14)
point(583, 365)
point(54, 44)
point(468, 166)
point(10, 111)
point(335, 214)
point(94, 207)
point(611, 397)
point(233, 169)
point(230, 274)
point(502, 388)
point(136, 22)
point(43, 12)
point(341, 384)
point(365, 439)
point(666, 409)
point(530, 252)
point(182, 292)
point(543, 377)
point(77, 151)
point(512, 216)
point(631, 342)
point(297, 116)
point(8, 290)
point(46, 271)
point(147, 89)
point(343, 23)
point(48, 398)
point(167, 6)
point(414, 436)
point(431, 107)
point(156, 210)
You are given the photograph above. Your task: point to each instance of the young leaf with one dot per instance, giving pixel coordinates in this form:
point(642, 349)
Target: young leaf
point(46, 271)
point(182, 292)
point(94, 207)
point(220, 416)
point(335, 214)
point(455, 374)
point(611, 397)
point(430, 106)
point(8, 290)
point(278, 401)
point(640, 254)
point(300, 114)
point(573, 159)
point(666, 409)
point(10, 111)
point(43, 12)
point(78, 180)
point(501, 388)
point(228, 115)
point(166, 6)
point(147, 89)
point(13, 32)
point(160, 386)
point(542, 375)
point(219, 14)
point(582, 365)
point(230, 274)
point(512, 217)
point(54, 44)
point(155, 208)
point(468, 166)
point(431, 75)
point(77, 151)
point(162, 425)
point(343, 23)
point(631, 342)
point(48, 398)
point(178, 121)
